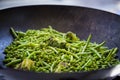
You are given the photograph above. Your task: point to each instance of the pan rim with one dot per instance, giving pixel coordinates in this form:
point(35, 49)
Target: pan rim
point(59, 5)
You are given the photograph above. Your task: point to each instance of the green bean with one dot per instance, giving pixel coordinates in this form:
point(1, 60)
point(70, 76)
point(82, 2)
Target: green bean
point(48, 50)
point(46, 64)
point(52, 66)
point(71, 58)
point(53, 49)
point(14, 33)
point(86, 63)
point(88, 40)
point(67, 52)
point(96, 52)
point(101, 44)
point(112, 52)
point(8, 59)
point(35, 52)
point(13, 62)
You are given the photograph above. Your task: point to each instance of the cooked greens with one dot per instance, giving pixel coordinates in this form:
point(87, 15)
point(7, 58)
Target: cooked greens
point(48, 50)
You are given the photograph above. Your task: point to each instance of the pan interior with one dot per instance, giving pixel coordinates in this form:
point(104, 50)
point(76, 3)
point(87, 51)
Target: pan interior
point(102, 25)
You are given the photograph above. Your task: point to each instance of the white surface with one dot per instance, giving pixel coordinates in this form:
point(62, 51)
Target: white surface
point(115, 71)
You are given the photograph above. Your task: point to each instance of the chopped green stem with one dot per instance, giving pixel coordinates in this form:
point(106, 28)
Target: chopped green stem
point(8, 59)
point(86, 63)
point(101, 44)
point(88, 40)
point(53, 49)
point(84, 53)
point(112, 52)
point(33, 53)
point(96, 52)
point(45, 63)
point(13, 62)
point(67, 52)
point(71, 58)
point(14, 33)
point(52, 66)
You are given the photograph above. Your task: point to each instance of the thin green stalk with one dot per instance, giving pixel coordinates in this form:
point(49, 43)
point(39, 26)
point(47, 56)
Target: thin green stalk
point(86, 63)
point(45, 63)
point(52, 66)
point(13, 32)
point(112, 52)
point(96, 52)
point(88, 40)
point(53, 49)
point(101, 44)
point(35, 52)
point(67, 52)
point(12, 63)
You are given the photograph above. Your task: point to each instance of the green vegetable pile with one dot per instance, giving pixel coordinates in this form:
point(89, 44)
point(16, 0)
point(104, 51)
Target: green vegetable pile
point(47, 50)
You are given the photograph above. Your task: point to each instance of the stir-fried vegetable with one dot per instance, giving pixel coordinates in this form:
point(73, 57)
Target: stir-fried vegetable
point(47, 50)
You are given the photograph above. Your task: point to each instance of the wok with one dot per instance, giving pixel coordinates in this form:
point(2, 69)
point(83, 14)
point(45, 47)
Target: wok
point(103, 26)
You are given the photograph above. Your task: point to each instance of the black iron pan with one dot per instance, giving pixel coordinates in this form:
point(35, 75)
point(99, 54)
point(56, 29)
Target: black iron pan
point(83, 21)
